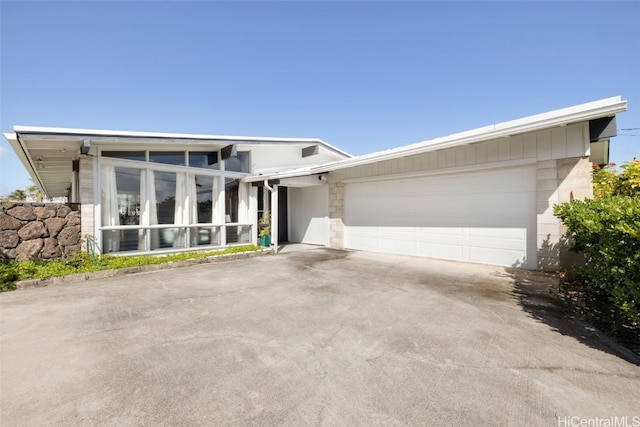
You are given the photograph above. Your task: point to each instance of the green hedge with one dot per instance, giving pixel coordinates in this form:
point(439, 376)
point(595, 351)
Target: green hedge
point(14, 271)
point(607, 231)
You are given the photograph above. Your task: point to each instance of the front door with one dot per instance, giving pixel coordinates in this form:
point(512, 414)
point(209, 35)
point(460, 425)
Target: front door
point(283, 219)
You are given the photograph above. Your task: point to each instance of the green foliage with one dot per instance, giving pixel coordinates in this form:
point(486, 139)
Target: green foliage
point(265, 225)
point(16, 196)
point(607, 231)
point(610, 181)
point(14, 271)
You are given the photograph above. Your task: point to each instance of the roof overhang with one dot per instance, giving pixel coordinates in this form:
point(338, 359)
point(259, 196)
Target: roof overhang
point(579, 113)
point(48, 153)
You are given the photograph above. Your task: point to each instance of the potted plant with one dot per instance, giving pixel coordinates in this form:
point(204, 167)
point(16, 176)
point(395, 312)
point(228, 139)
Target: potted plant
point(265, 229)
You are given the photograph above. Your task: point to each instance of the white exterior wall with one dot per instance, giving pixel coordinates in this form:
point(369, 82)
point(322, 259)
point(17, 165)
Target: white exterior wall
point(557, 143)
point(266, 159)
point(309, 214)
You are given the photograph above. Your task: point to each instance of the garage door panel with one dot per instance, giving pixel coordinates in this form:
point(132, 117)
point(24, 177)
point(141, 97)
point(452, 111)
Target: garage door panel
point(397, 232)
point(503, 233)
point(494, 255)
point(486, 217)
point(426, 233)
point(397, 246)
point(440, 250)
point(364, 241)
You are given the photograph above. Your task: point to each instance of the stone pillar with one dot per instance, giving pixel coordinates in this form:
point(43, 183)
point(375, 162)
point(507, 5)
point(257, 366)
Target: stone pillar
point(336, 214)
point(558, 181)
point(85, 178)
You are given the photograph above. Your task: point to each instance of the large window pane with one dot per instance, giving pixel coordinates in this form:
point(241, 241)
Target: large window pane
point(171, 238)
point(207, 160)
point(204, 190)
point(205, 236)
point(167, 157)
point(231, 200)
point(165, 186)
point(238, 234)
point(127, 240)
point(120, 199)
point(120, 205)
point(239, 163)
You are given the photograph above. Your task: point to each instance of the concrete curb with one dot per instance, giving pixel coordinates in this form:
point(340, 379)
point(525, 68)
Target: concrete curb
point(81, 277)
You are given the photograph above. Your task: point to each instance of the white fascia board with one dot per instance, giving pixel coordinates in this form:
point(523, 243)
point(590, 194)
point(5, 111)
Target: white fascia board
point(565, 116)
point(220, 139)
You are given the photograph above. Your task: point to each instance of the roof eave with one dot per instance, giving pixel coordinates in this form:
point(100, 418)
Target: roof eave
point(22, 153)
point(565, 116)
point(97, 133)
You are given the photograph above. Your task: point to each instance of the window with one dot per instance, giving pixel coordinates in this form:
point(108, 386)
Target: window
point(231, 200)
point(167, 157)
point(120, 205)
point(176, 205)
point(204, 192)
point(238, 163)
point(206, 160)
point(126, 155)
point(165, 196)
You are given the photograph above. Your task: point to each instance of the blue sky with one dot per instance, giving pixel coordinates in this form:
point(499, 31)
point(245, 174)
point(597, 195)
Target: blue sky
point(363, 76)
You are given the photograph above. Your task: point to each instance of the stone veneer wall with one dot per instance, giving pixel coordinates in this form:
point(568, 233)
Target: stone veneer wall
point(39, 230)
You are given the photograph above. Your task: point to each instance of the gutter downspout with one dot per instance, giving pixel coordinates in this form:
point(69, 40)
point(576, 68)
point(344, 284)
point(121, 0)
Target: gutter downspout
point(274, 214)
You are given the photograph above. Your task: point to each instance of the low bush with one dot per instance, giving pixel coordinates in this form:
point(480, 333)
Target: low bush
point(14, 271)
point(607, 230)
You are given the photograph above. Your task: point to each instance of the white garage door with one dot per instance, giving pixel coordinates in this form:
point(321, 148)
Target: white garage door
point(486, 217)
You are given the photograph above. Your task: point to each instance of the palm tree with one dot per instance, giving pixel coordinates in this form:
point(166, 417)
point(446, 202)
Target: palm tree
point(17, 195)
point(34, 191)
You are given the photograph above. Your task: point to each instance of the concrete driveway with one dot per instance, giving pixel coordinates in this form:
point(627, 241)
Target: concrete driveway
point(312, 337)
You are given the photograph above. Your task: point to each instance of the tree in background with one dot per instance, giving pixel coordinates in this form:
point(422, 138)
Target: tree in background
point(31, 193)
point(16, 196)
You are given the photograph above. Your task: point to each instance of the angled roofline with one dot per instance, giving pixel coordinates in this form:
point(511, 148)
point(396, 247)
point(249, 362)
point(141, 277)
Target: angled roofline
point(20, 150)
point(577, 113)
point(38, 130)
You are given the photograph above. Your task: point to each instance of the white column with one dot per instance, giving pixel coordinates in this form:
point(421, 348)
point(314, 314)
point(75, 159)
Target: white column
point(274, 218)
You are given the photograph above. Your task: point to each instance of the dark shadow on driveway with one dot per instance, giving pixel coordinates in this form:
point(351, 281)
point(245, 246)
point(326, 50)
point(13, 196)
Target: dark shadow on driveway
point(536, 293)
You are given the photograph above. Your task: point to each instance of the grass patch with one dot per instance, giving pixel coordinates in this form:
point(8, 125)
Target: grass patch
point(14, 271)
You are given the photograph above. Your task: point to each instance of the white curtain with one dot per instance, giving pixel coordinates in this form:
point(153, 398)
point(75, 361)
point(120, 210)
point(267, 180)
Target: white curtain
point(181, 211)
point(109, 209)
point(149, 214)
point(243, 202)
point(218, 205)
point(192, 204)
point(217, 213)
point(243, 212)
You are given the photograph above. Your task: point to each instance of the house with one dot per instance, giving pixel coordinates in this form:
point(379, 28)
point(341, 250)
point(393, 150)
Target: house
point(484, 195)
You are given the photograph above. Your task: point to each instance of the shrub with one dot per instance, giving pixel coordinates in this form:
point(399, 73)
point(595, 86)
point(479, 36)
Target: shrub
point(607, 230)
point(609, 181)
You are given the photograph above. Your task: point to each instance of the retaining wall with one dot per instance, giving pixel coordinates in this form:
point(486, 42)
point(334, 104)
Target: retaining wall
point(39, 230)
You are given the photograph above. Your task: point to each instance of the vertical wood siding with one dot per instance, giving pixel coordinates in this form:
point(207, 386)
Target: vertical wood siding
point(550, 144)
